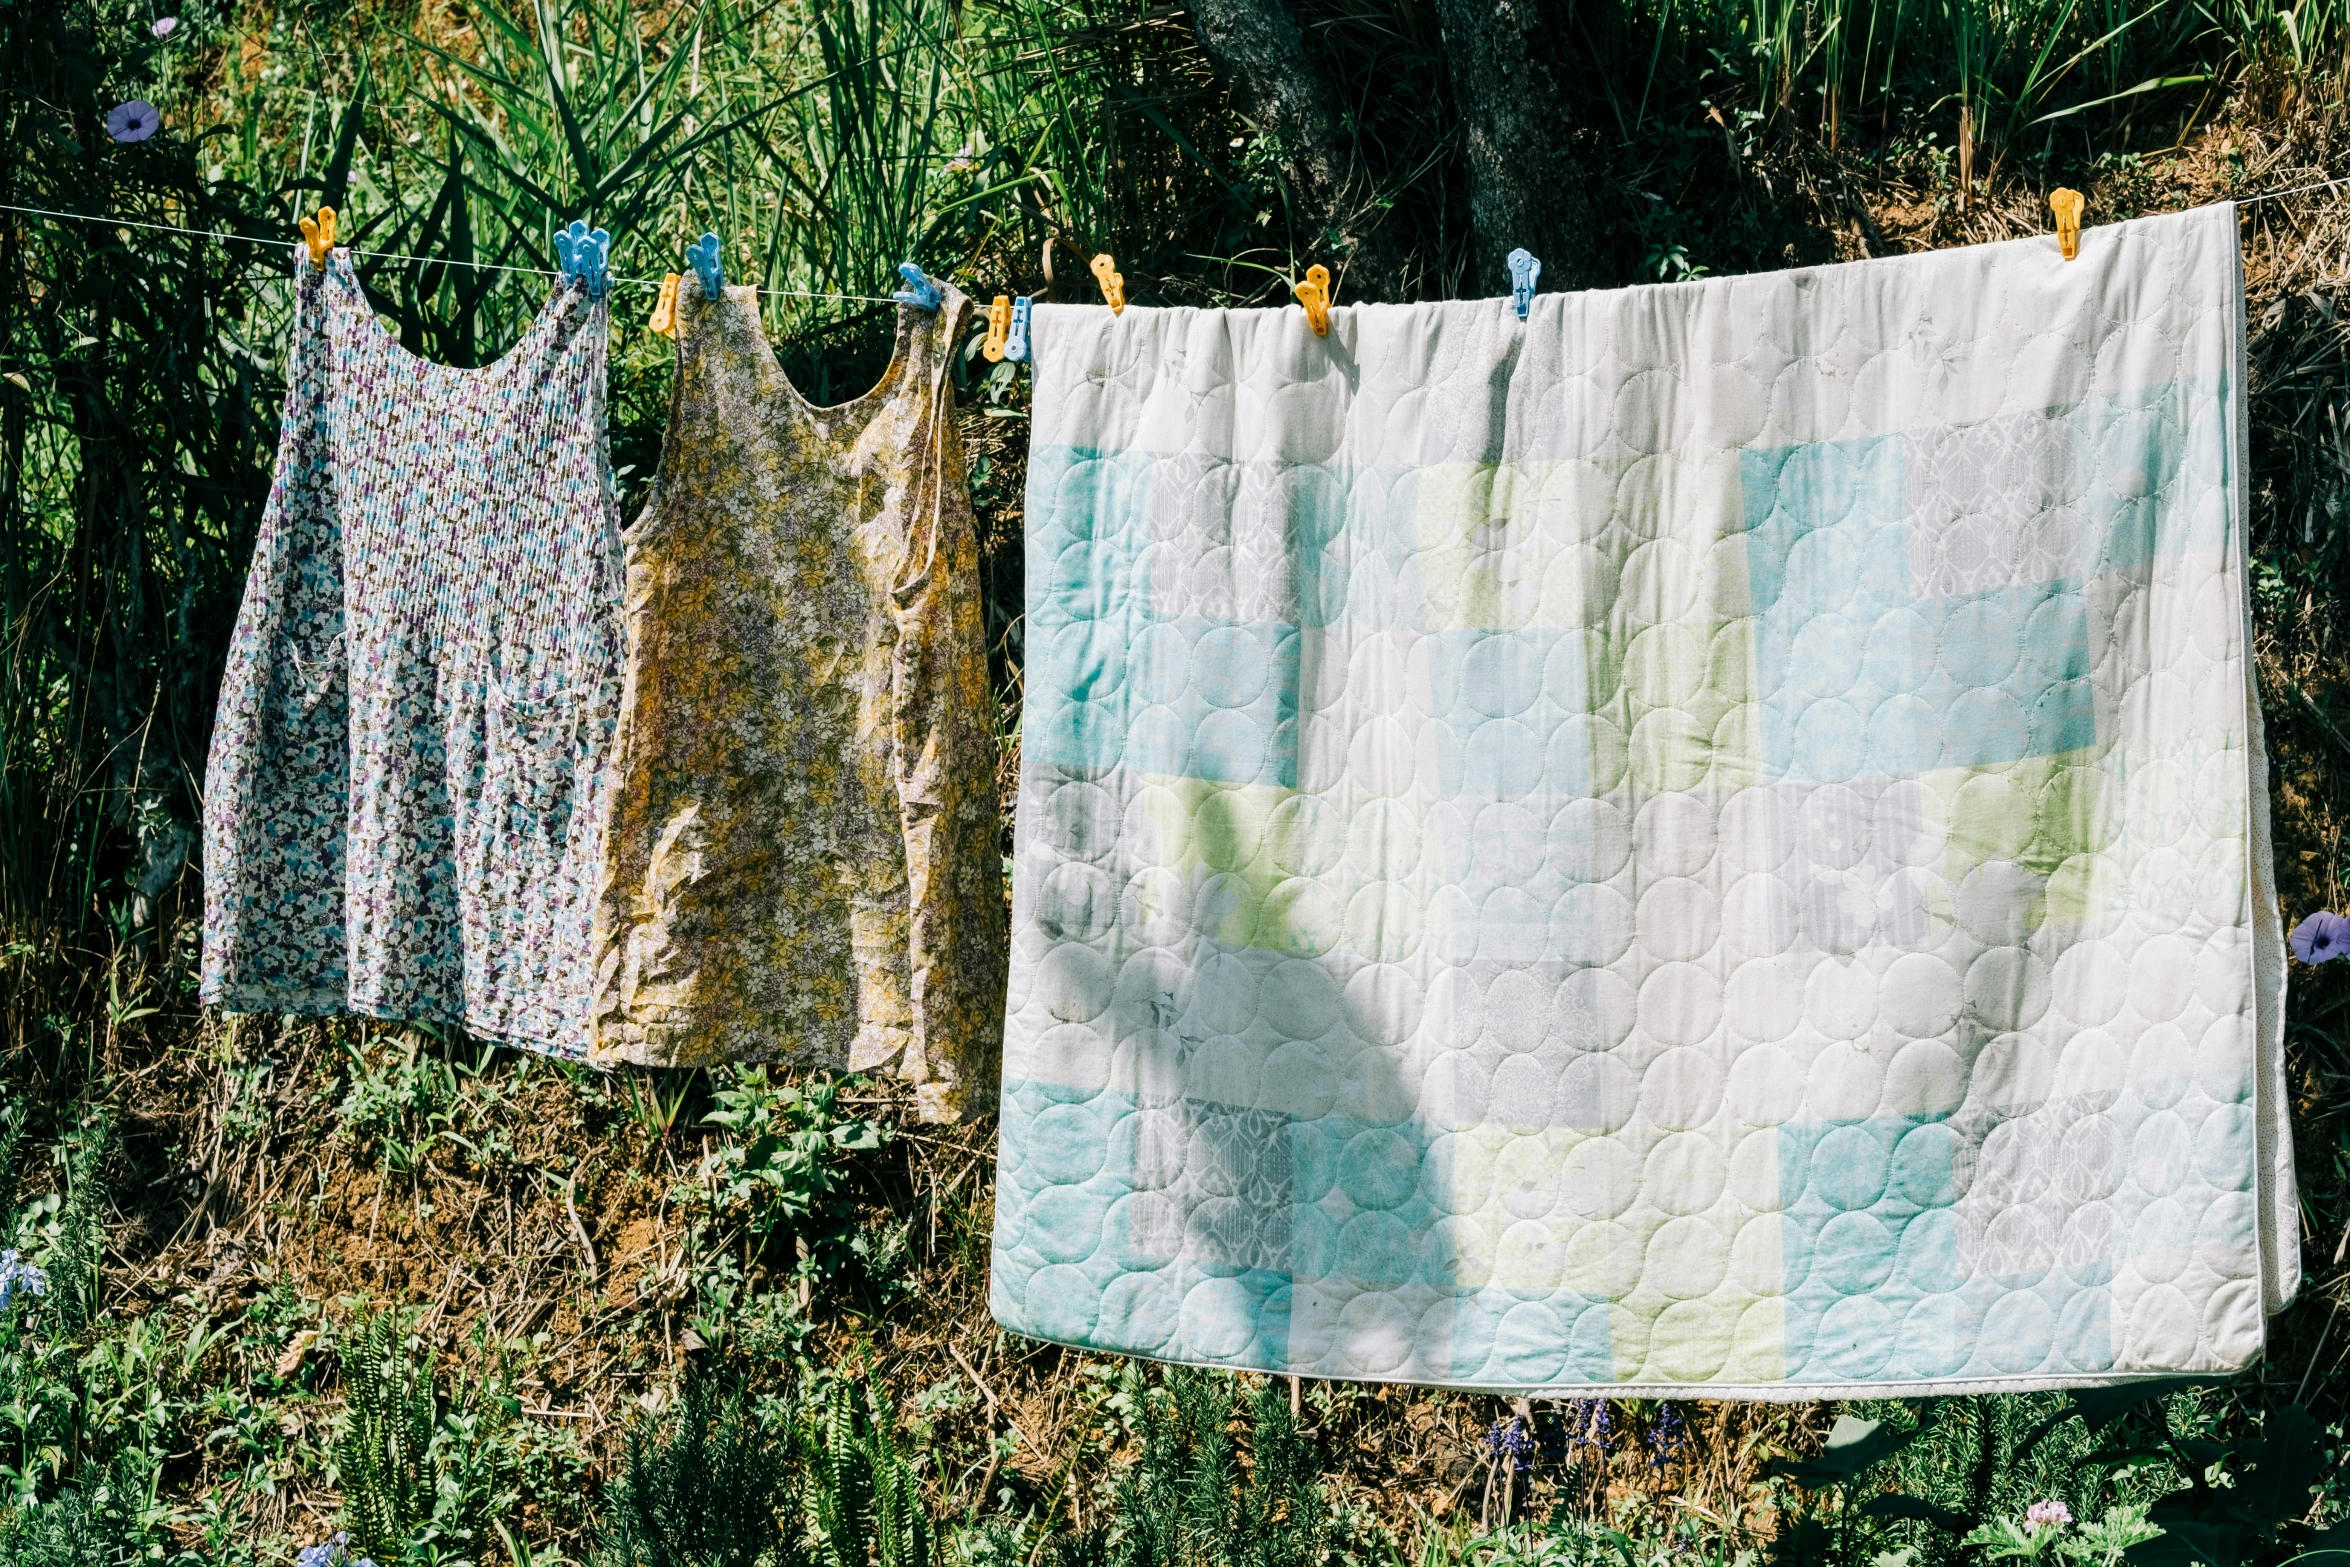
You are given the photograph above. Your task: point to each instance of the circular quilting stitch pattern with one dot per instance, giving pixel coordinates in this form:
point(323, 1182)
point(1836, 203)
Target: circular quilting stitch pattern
point(1748, 893)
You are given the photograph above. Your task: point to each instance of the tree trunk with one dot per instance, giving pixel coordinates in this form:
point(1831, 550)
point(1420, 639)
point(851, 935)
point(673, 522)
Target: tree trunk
point(1283, 89)
point(1515, 81)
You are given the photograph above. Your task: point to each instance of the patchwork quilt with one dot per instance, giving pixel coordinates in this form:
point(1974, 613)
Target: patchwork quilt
point(1710, 842)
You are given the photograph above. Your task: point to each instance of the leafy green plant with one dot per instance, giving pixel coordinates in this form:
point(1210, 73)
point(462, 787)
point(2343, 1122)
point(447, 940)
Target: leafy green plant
point(1567, 1542)
point(2047, 1529)
point(655, 1097)
point(1188, 1499)
point(382, 1457)
point(784, 1166)
point(2244, 1497)
point(399, 1097)
point(104, 1520)
point(68, 1241)
point(701, 1489)
point(13, 1110)
point(420, 1482)
point(69, 1408)
point(1968, 1461)
point(864, 1493)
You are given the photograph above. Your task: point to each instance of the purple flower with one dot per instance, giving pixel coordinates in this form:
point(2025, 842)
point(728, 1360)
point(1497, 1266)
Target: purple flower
point(2322, 937)
point(1512, 1443)
point(1588, 1422)
point(132, 121)
point(164, 26)
point(2044, 1514)
point(1668, 1438)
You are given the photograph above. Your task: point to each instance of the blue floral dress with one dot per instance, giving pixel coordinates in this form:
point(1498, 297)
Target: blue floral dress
point(404, 791)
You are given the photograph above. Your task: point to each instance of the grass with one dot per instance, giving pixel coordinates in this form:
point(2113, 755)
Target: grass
point(275, 1248)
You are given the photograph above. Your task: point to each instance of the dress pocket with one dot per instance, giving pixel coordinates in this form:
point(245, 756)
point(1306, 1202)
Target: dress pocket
point(309, 673)
point(533, 748)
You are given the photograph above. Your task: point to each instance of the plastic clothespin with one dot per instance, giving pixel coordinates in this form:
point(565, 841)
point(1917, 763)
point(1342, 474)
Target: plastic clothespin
point(1113, 282)
point(708, 269)
point(2067, 205)
point(1525, 272)
point(1016, 340)
point(1314, 294)
point(665, 308)
point(919, 291)
point(584, 254)
point(999, 328)
point(319, 235)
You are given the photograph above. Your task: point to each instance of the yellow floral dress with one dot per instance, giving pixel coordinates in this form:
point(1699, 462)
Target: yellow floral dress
point(801, 862)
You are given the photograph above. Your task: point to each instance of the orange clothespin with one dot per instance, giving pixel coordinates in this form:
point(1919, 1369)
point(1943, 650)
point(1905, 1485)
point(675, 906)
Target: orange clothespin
point(665, 308)
point(319, 234)
point(999, 327)
point(1314, 294)
point(1105, 271)
point(2067, 205)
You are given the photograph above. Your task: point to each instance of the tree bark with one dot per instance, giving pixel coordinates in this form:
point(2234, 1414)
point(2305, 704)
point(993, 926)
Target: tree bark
point(1283, 89)
point(1515, 80)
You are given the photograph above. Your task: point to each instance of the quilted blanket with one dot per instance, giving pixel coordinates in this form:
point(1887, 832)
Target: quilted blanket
point(1710, 842)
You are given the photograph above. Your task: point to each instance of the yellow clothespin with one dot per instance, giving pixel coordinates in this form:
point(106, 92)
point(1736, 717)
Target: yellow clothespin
point(665, 308)
point(1105, 271)
point(999, 327)
point(1314, 294)
point(319, 234)
point(2067, 205)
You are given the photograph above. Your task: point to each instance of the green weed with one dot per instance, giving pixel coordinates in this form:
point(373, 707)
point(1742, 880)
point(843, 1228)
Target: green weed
point(409, 1093)
point(2001, 1477)
point(2049, 1531)
point(655, 1098)
point(396, 1099)
point(864, 1494)
point(784, 1166)
point(422, 1481)
point(106, 1519)
point(1189, 1499)
point(701, 1489)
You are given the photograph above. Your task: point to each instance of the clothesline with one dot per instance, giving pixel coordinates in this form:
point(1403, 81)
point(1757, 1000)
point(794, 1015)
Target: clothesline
point(2298, 190)
point(395, 255)
point(649, 282)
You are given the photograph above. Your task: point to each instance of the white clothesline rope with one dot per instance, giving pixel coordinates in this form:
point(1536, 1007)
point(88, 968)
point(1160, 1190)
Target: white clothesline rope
point(649, 282)
point(2298, 190)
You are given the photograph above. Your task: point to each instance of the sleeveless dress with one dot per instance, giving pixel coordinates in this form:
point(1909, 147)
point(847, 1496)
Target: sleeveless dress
point(403, 790)
point(803, 860)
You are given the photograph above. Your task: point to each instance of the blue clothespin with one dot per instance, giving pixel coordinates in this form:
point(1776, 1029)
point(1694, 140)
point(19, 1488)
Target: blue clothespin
point(1524, 270)
point(919, 291)
point(1016, 340)
point(703, 253)
point(585, 255)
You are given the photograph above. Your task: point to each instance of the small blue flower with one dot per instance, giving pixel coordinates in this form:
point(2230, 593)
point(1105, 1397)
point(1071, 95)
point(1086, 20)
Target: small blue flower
point(331, 1553)
point(2322, 937)
point(133, 121)
point(19, 1278)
